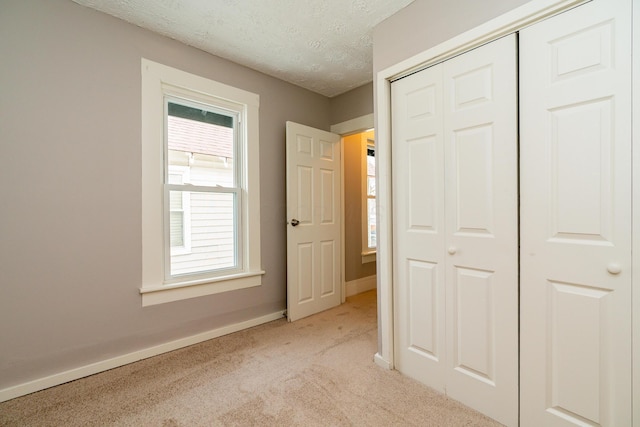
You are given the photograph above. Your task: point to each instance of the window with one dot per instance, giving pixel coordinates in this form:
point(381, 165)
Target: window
point(371, 197)
point(200, 180)
point(369, 200)
point(201, 141)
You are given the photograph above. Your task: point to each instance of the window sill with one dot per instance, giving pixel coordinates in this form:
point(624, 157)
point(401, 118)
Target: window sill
point(368, 257)
point(197, 288)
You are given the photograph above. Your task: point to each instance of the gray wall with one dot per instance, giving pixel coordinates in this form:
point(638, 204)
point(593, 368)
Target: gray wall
point(357, 102)
point(70, 154)
point(426, 23)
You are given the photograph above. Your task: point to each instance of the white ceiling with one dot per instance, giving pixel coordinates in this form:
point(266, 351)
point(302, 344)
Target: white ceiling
point(322, 45)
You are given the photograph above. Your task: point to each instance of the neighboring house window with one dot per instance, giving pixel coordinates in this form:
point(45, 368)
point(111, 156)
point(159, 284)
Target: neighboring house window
point(369, 202)
point(200, 180)
point(179, 212)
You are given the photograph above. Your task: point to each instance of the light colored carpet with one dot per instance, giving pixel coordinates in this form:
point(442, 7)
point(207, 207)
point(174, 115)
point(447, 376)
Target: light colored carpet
point(318, 371)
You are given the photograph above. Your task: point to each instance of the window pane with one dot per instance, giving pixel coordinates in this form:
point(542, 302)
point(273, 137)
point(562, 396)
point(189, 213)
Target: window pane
point(371, 162)
point(371, 222)
point(211, 232)
point(371, 186)
point(175, 178)
point(175, 201)
point(202, 140)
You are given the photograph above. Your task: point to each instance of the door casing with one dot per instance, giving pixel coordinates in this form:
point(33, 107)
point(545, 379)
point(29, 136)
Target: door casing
point(356, 125)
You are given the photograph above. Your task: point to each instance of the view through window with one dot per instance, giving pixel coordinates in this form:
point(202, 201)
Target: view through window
point(202, 187)
point(371, 197)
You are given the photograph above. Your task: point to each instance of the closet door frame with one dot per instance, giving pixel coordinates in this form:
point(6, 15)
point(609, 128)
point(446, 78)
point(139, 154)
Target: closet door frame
point(635, 227)
point(528, 14)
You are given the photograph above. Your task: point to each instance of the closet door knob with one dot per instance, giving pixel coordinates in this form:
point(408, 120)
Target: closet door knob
point(614, 268)
point(452, 250)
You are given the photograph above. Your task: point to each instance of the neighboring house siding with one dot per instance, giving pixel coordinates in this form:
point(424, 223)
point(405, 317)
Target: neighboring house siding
point(212, 234)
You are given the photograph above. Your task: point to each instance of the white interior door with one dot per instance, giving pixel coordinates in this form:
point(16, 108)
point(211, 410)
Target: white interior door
point(575, 120)
point(419, 227)
point(481, 182)
point(313, 221)
point(454, 174)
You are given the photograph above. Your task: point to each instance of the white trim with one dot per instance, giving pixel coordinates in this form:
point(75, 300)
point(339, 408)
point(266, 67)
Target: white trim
point(361, 285)
point(510, 22)
point(125, 359)
point(635, 268)
point(159, 81)
point(359, 124)
point(384, 227)
point(197, 288)
point(343, 268)
point(368, 257)
point(382, 362)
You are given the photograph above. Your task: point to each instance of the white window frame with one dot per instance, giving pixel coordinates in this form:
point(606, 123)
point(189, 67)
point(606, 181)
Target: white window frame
point(368, 253)
point(158, 82)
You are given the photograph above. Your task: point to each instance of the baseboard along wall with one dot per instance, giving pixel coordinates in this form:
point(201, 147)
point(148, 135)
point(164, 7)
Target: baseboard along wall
point(97, 367)
point(363, 284)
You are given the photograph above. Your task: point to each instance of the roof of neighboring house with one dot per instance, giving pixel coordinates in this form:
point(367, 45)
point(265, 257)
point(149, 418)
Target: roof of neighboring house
point(198, 137)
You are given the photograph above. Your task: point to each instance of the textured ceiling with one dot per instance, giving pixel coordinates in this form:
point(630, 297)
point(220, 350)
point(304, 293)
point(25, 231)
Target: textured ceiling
point(322, 45)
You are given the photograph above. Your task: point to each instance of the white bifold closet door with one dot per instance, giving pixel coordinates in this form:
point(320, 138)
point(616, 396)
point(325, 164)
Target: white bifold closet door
point(455, 199)
point(575, 79)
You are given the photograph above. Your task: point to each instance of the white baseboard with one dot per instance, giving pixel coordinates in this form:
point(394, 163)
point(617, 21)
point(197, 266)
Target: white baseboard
point(380, 361)
point(363, 284)
point(94, 368)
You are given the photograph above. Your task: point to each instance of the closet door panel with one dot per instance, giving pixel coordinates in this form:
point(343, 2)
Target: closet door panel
point(481, 176)
point(419, 231)
point(472, 152)
point(473, 352)
point(454, 160)
point(575, 77)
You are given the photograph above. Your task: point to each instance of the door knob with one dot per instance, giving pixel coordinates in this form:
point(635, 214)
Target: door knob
point(294, 222)
point(614, 268)
point(452, 250)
